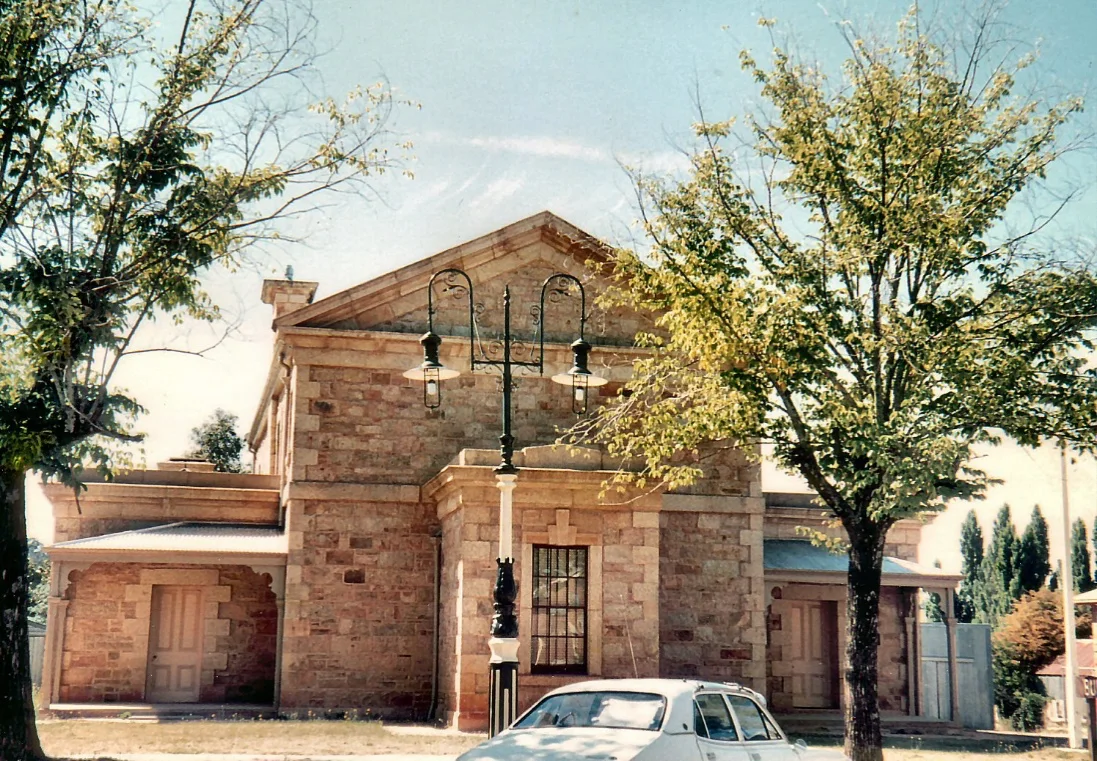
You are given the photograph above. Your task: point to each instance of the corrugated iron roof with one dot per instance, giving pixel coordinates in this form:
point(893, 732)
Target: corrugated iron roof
point(799, 555)
point(189, 537)
point(1083, 659)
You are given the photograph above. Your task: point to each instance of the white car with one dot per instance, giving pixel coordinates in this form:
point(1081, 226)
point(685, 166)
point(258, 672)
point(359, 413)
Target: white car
point(647, 720)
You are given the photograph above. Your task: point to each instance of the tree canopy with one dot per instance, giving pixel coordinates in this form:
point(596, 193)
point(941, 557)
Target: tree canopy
point(834, 277)
point(971, 552)
point(217, 441)
point(1034, 556)
point(134, 156)
point(1081, 566)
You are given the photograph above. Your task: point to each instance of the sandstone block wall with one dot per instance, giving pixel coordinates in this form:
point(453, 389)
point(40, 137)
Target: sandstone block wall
point(359, 604)
point(711, 594)
point(784, 522)
point(559, 508)
point(106, 632)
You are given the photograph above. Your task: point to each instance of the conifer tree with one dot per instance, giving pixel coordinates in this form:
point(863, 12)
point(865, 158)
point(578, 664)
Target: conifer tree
point(1033, 561)
point(993, 597)
point(1079, 557)
point(971, 549)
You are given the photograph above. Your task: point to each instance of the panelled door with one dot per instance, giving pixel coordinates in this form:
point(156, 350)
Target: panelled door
point(813, 656)
point(175, 645)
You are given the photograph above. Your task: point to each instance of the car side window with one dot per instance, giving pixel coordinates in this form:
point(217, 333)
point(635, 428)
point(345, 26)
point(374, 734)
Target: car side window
point(715, 717)
point(752, 721)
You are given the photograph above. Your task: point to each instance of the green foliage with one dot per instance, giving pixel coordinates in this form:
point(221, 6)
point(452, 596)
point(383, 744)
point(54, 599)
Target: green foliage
point(1079, 557)
point(1034, 556)
point(37, 581)
point(127, 170)
point(995, 596)
point(217, 441)
point(836, 279)
point(1029, 638)
point(932, 608)
point(120, 186)
point(971, 552)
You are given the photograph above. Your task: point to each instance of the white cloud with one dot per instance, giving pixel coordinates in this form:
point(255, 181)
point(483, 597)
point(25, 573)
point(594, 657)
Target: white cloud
point(496, 193)
point(542, 146)
point(661, 162)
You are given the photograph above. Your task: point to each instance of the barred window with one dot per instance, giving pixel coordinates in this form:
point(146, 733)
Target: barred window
point(559, 637)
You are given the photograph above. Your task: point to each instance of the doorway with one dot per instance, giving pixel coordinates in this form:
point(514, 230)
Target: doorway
point(175, 645)
point(813, 652)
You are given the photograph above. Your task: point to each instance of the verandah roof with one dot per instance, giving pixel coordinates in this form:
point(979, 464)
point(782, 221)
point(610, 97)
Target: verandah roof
point(799, 560)
point(188, 541)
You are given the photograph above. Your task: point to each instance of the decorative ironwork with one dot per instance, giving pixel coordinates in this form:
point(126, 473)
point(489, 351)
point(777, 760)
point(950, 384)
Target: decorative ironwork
point(504, 623)
point(506, 354)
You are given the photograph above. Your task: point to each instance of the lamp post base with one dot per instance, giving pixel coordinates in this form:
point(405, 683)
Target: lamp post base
point(502, 684)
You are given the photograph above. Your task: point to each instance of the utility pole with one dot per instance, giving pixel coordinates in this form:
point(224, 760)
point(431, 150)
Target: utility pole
point(1070, 680)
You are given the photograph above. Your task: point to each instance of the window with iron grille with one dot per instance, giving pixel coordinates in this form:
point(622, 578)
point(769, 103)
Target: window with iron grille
point(559, 636)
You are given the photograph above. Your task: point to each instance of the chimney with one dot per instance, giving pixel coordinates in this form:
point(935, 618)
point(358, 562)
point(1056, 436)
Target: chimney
point(288, 295)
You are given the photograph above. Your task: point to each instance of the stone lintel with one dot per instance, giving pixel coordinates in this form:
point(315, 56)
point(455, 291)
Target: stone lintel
point(540, 487)
point(712, 503)
point(341, 491)
point(76, 554)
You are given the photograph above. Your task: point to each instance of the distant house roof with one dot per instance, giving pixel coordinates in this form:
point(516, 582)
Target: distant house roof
point(1083, 658)
point(35, 629)
point(794, 557)
point(188, 541)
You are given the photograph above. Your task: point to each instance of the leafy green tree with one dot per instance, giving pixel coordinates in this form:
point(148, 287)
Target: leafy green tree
point(127, 169)
point(217, 441)
point(971, 552)
point(995, 596)
point(38, 581)
point(1079, 557)
point(1034, 555)
point(932, 609)
point(1029, 638)
point(841, 284)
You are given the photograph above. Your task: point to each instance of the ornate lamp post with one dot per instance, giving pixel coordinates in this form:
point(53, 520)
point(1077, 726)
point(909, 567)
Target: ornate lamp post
point(503, 684)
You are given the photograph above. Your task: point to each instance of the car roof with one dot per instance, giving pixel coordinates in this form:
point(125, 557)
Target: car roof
point(666, 687)
point(679, 711)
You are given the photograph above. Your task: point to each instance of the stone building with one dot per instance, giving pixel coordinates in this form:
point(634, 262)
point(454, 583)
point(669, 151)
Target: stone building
point(353, 570)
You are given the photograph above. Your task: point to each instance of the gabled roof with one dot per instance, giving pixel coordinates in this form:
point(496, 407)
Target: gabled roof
point(545, 226)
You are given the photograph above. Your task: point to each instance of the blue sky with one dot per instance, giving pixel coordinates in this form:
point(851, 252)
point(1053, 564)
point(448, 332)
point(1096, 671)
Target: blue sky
point(532, 105)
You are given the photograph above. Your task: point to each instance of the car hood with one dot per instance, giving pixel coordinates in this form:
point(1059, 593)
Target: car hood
point(562, 744)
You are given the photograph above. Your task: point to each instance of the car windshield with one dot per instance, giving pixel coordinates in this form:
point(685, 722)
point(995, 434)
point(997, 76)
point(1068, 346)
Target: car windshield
point(618, 710)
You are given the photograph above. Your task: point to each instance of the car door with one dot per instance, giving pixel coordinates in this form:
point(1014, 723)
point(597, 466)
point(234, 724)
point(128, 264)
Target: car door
point(761, 738)
point(717, 737)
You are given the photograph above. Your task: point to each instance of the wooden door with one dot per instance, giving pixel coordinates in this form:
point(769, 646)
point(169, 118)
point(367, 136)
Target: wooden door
point(813, 656)
point(175, 645)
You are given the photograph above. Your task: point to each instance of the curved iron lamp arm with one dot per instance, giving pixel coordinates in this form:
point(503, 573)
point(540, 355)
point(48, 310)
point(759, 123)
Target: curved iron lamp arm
point(472, 319)
point(541, 314)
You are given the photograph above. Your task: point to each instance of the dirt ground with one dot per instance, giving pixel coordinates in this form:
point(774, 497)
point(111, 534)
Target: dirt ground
point(314, 739)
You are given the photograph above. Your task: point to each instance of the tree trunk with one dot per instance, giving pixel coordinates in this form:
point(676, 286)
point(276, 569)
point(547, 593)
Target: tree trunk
point(18, 732)
point(862, 708)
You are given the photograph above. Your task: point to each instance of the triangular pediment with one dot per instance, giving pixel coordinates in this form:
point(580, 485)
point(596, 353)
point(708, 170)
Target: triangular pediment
point(521, 255)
